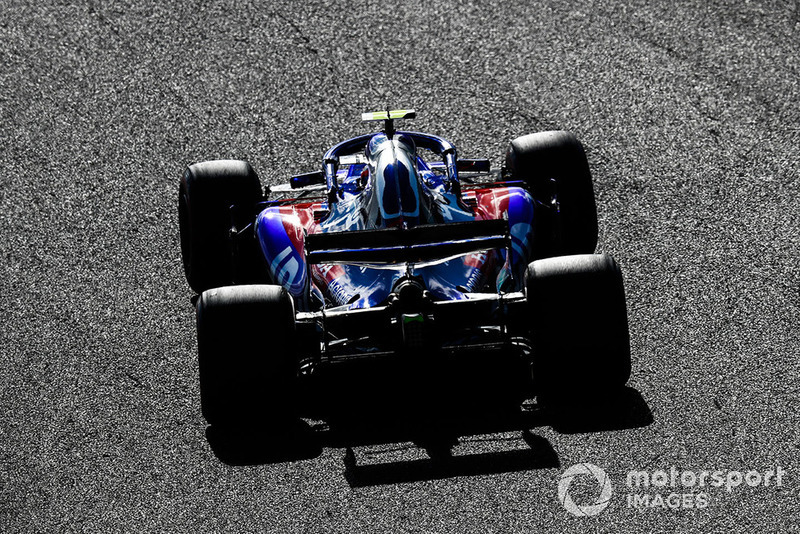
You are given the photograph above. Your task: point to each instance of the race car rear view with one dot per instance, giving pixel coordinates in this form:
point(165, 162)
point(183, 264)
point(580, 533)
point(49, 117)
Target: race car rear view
point(400, 269)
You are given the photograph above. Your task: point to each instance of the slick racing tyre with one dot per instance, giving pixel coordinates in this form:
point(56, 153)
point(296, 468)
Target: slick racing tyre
point(578, 326)
point(554, 167)
point(207, 192)
point(245, 342)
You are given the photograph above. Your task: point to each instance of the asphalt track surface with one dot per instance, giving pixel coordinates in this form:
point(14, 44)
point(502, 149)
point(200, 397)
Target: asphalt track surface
point(689, 112)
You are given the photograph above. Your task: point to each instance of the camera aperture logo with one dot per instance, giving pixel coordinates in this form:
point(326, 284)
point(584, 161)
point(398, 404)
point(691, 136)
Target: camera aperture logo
point(603, 498)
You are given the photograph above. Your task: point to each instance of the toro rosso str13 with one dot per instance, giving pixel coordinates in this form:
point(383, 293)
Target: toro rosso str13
point(399, 267)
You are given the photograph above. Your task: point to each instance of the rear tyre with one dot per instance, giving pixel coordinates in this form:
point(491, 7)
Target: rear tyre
point(248, 369)
point(206, 193)
point(554, 167)
point(578, 326)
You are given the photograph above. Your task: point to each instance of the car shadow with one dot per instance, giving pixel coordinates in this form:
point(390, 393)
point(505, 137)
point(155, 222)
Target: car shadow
point(538, 454)
point(441, 431)
point(264, 444)
point(616, 410)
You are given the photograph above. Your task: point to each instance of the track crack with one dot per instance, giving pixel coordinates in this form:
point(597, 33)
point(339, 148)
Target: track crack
point(329, 65)
point(300, 33)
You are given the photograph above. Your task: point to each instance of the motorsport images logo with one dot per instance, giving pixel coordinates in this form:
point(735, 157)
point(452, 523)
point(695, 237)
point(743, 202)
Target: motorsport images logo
point(660, 489)
point(584, 470)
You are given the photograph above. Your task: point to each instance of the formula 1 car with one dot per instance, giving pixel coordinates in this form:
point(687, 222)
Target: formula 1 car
point(400, 269)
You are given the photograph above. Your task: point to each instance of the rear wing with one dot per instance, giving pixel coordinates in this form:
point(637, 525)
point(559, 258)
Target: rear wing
point(411, 245)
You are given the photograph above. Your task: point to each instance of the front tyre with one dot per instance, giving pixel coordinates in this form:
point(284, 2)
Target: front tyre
point(246, 349)
point(205, 196)
point(553, 165)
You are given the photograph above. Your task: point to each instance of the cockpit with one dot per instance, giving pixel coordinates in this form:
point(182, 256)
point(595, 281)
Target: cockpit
point(395, 195)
